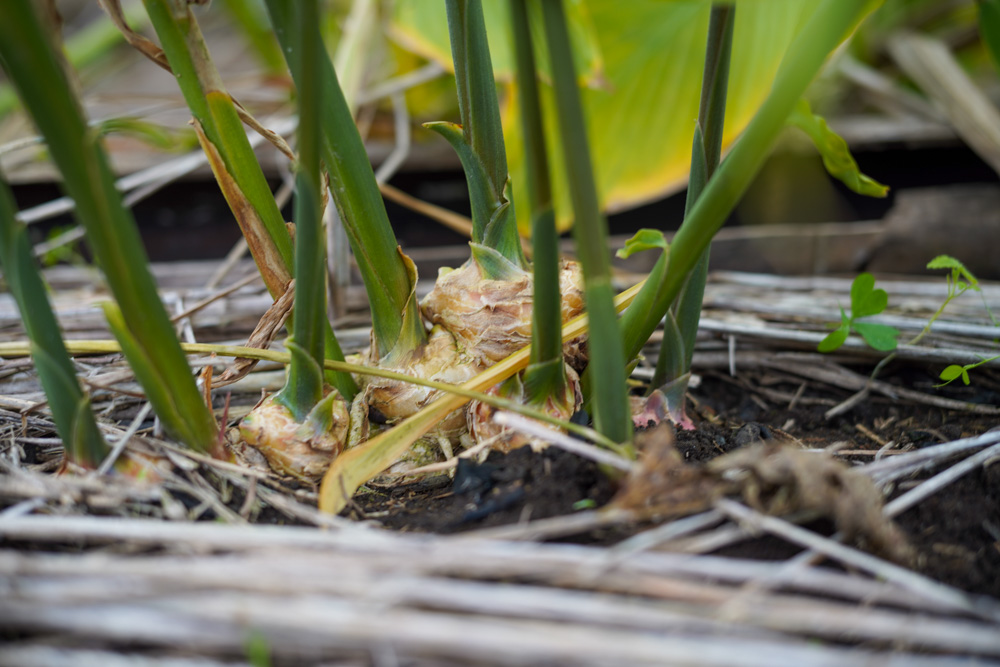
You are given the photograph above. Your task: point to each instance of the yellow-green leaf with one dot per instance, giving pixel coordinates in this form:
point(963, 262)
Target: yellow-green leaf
point(836, 155)
point(422, 27)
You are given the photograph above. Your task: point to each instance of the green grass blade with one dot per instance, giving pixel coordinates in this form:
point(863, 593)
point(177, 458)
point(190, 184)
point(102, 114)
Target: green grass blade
point(69, 405)
point(824, 30)
point(384, 270)
point(28, 58)
point(304, 388)
point(705, 155)
point(609, 398)
point(543, 377)
point(493, 223)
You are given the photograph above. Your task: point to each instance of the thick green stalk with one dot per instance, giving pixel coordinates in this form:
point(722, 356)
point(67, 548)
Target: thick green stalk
point(609, 400)
point(69, 405)
point(545, 374)
point(824, 30)
point(32, 64)
point(705, 155)
point(233, 159)
point(304, 388)
point(387, 274)
point(479, 141)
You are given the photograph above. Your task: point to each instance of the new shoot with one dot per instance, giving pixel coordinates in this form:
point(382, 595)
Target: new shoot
point(304, 426)
point(548, 383)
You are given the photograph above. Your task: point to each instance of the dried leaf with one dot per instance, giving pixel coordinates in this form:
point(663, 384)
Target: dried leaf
point(140, 43)
point(261, 337)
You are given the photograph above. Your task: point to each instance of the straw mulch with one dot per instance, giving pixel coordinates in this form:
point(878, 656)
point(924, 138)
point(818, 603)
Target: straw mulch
point(108, 569)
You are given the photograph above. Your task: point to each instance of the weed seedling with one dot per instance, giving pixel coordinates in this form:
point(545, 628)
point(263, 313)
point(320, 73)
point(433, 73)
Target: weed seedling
point(866, 301)
point(953, 372)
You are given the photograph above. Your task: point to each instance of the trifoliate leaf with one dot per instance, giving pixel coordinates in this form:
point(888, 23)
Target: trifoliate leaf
point(865, 299)
point(880, 336)
point(834, 339)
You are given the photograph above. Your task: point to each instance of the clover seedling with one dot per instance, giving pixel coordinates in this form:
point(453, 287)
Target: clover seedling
point(953, 372)
point(865, 302)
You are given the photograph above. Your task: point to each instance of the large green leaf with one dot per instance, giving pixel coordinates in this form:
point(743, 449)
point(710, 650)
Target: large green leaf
point(641, 116)
point(422, 27)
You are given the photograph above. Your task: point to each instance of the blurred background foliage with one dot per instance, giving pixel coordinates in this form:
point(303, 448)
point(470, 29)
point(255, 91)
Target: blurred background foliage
point(639, 65)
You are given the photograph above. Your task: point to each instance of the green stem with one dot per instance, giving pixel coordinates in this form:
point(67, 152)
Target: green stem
point(388, 278)
point(545, 374)
point(485, 159)
point(32, 64)
point(607, 362)
point(705, 155)
point(827, 26)
point(70, 407)
point(248, 194)
point(304, 387)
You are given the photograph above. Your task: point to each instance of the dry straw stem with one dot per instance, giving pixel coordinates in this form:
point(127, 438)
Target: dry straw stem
point(435, 597)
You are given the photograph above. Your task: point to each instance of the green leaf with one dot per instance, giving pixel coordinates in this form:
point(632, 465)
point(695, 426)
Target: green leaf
point(183, 415)
point(482, 195)
point(834, 339)
point(865, 299)
point(493, 264)
point(880, 336)
point(957, 269)
point(422, 27)
point(640, 123)
point(644, 239)
point(952, 373)
point(989, 27)
point(836, 155)
point(71, 413)
point(643, 85)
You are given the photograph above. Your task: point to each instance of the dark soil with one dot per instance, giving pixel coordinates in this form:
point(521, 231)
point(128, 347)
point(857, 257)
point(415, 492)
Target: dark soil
point(956, 532)
point(506, 488)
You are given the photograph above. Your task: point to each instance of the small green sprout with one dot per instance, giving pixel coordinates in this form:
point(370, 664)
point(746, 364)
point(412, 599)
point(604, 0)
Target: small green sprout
point(959, 280)
point(258, 649)
point(865, 302)
point(953, 372)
